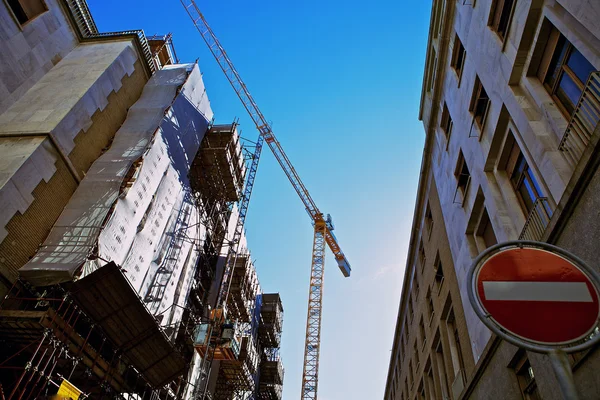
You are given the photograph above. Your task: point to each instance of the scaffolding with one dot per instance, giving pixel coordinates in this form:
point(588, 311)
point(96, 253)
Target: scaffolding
point(271, 320)
point(271, 376)
point(218, 170)
point(236, 377)
point(48, 339)
point(243, 289)
point(162, 49)
point(97, 332)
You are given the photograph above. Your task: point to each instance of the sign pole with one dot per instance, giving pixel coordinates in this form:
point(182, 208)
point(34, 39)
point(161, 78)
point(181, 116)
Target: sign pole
point(540, 298)
point(564, 374)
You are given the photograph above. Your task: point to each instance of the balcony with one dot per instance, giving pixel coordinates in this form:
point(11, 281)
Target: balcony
point(218, 169)
point(537, 220)
point(584, 121)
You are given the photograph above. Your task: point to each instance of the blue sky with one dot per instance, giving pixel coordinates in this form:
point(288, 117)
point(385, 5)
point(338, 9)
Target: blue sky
point(340, 81)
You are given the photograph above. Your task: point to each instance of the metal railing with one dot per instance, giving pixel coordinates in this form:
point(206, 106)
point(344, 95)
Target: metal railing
point(87, 28)
point(537, 220)
point(583, 122)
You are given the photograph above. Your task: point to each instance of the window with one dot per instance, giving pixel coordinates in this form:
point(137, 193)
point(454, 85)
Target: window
point(564, 71)
point(430, 308)
point(439, 273)
point(446, 122)
point(410, 310)
point(485, 231)
point(480, 103)
point(422, 329)
point(441, 370)
point(411, 374)
point(26, 10)
point(432, 70)
point(500, 17)
point(421, 392)
point(416, 287)
point(458, 57)
point(455, 348)
point(440, 7)
point(422, 258)
point(526, 378)
point(521, 177)
point(416, 353)
point(430, 384)
point(428, 220)
point(402, 349)
point(480, 232)
point(463, 179)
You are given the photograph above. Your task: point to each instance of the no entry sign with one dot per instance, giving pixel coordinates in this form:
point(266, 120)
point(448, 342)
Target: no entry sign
point(537, 295)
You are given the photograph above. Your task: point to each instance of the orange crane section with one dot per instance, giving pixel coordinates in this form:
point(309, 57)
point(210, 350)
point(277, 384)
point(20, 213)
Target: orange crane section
point(323, 226)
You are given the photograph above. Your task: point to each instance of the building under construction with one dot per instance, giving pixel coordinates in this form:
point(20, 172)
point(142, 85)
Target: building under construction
point(119, 201)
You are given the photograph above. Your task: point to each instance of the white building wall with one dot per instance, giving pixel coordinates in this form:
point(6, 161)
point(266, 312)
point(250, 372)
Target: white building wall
point(30, 51)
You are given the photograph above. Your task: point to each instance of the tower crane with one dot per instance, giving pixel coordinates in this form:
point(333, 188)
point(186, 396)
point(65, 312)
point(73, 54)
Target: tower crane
point(323, 226)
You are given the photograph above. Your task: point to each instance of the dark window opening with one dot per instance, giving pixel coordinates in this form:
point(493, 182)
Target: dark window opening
point(416, 351)
point(421, 391)
point(500, 17)
point(480, 103)
point(428, 220)
point(423, 335)
point(521, 177)
point(446, 122)
point(441, 367)
point(458, 57)
point(463, 178)
point(439, 273)
point(26, 10)
point(422, 258)
point(526, 378)
point(430, 308)
point(485, 230)
point(564, 72)
point(432, 70)
point(416, 287)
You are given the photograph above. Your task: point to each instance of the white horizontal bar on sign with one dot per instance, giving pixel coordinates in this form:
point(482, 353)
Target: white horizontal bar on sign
point(537, 291)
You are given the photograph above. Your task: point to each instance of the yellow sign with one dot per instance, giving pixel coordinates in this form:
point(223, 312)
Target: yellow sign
point(68, 391)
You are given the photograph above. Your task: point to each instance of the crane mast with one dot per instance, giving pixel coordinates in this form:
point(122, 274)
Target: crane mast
point(323, 227)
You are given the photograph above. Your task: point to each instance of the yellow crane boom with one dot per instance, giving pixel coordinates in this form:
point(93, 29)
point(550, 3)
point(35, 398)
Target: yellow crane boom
point(323, 226)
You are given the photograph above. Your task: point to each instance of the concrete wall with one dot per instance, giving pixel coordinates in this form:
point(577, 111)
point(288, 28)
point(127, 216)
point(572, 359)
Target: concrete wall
point(518, 102)
point(30, 51)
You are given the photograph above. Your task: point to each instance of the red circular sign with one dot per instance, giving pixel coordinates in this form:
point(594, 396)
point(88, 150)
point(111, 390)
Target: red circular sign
point(538, 296)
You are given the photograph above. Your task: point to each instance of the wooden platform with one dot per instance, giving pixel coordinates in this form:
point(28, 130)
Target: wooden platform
point(108, 299)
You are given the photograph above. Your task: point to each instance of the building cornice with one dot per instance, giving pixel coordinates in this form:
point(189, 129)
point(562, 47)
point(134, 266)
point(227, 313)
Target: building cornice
point(84, 26)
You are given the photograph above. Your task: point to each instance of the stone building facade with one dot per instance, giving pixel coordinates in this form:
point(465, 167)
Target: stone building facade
point(510, 106)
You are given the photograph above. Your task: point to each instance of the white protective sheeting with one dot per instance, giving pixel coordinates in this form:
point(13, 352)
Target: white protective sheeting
point(147, 224)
